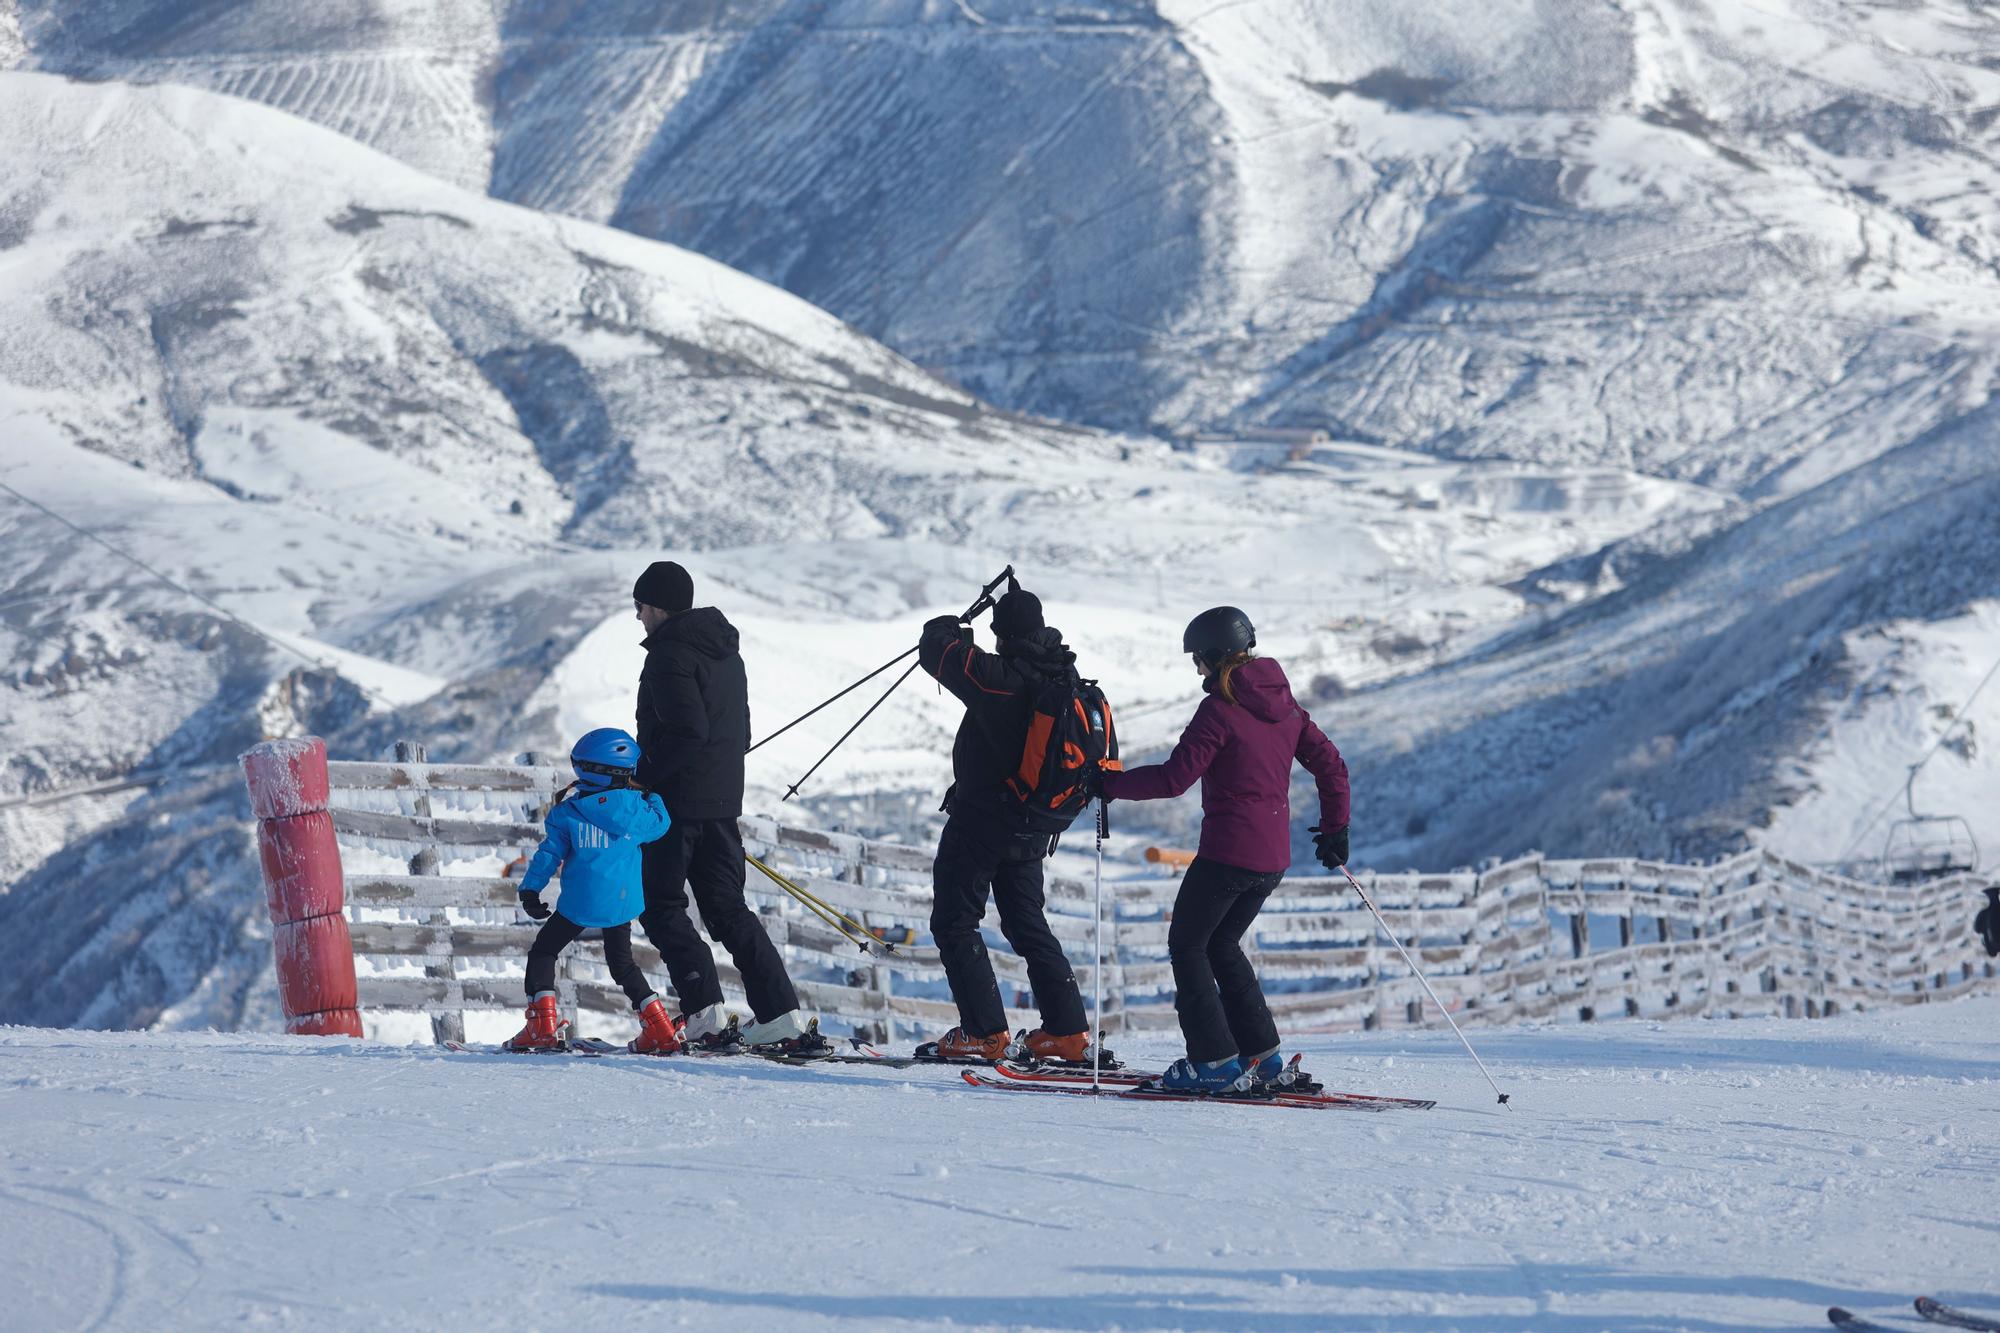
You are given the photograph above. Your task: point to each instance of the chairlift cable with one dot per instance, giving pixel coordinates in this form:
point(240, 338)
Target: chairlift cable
point(203, 598)
point(1963, 710)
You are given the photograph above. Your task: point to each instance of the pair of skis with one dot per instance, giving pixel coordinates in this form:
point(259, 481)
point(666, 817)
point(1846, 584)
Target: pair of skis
point(1072, 1081)
point(1937, 1312)
point(1128, 1085)
point(591, 1048)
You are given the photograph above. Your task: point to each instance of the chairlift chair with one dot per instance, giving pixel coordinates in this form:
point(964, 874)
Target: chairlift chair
point(1923, 847)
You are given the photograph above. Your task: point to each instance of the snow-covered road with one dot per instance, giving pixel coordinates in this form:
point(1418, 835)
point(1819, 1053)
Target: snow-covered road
point(1701, 1175)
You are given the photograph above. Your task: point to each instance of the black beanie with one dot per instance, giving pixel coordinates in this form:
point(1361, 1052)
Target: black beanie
point(1017, 614)
point(665, 585)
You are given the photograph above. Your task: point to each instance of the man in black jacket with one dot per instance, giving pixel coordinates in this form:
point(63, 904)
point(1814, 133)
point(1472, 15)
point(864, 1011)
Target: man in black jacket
point(694, 726)
point(985, 845)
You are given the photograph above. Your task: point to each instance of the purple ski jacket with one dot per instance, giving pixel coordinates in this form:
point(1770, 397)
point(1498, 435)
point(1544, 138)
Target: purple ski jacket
point(1243, 753)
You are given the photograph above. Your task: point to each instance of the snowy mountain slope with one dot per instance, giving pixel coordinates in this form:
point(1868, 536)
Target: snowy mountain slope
point(1726, 244)
point(1719, 687)
point(12, 48)
point(380, 418)
point(1705, 1176)
point(564, 380)
point(313, 385)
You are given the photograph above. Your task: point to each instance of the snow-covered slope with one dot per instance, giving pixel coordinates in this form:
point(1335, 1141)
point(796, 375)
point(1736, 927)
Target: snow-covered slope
point(1704, 1176)
point(1732, 244)
point(1783, 672)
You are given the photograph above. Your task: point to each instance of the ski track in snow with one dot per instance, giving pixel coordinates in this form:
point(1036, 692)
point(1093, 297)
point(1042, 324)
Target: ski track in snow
point(1698, 1176)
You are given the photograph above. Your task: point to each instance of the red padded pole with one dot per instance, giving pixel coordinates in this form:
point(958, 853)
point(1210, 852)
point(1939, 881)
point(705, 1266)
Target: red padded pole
point(302, 885)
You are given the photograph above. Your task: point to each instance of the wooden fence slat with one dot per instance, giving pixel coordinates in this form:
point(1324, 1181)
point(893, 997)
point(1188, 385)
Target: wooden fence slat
point(450, 832)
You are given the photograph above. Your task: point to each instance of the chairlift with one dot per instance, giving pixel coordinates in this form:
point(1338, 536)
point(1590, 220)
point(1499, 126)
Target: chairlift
point(1924, 847)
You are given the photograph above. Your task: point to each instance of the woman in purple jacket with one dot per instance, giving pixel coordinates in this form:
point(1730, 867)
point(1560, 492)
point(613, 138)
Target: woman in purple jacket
point(1240, 745)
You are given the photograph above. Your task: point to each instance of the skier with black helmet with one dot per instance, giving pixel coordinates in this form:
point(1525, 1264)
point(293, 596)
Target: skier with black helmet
point(594, 834)
point(1240, 747)
point(694, 728)
point(988, 848)
point(1987, 923)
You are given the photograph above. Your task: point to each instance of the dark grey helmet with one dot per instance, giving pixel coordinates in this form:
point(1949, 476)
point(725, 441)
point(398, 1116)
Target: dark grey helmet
point(1218, 632)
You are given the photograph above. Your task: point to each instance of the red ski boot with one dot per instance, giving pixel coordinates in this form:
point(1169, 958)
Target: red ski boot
point(1040, 1047)
point(658, 1033)
point(960, 1047)
point(546, 1030)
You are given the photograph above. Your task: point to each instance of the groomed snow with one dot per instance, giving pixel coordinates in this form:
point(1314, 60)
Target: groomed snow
point(1697, 1175)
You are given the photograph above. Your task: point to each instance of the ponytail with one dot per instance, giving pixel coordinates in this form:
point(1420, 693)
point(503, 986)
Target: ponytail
point(1225, 673)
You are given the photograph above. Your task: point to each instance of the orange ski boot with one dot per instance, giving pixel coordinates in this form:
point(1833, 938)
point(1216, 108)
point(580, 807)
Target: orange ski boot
point(546, 1030)
point(1040, 1047)
point(960, 1047)
point(658, 1033)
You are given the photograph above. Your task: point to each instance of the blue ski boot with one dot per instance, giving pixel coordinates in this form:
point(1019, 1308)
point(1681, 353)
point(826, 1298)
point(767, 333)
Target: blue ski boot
point(1212, 1077)
point(1271, 1072)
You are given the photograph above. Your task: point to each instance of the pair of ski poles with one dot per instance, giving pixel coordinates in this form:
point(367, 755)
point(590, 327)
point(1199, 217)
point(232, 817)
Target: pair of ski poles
point(853, 930)
point(980, 603)
point(856, 933)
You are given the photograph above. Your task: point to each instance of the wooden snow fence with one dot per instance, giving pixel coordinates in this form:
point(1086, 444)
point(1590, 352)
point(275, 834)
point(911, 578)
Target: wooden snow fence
point(1535, 939)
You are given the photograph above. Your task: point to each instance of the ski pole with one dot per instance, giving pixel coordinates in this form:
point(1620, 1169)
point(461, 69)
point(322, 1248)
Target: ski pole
point(1097, 949)
point(819, 908)
point(979, 603)
point(835, 699)
point(1417, 972)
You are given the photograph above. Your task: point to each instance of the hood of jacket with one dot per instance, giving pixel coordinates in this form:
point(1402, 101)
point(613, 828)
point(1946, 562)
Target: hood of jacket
point(1042, 651)
point(616, 810)
point(1261, 688)
point(704, 629)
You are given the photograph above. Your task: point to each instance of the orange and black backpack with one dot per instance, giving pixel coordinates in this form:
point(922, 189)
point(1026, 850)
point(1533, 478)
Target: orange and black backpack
point(1069, 732)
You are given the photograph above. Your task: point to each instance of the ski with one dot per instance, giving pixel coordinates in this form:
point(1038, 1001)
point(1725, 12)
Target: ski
point(1129, 1079)
point(587, 1047)
point(1147, 1093)
point(1951, 1317)
point(1846, 1319)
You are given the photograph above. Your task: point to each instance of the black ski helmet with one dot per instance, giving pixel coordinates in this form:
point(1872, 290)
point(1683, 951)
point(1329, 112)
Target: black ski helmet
point(1218, 632)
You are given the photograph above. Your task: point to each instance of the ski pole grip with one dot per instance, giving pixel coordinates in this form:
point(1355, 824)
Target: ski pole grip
point(984, 601)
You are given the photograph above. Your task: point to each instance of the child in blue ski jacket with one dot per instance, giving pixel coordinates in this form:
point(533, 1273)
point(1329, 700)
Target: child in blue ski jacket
point(594, 835)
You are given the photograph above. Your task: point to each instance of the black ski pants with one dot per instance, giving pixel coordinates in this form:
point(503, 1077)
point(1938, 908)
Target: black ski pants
point(707, 856)
point(1221, 1006)
point(973, 861)
point(559, 932)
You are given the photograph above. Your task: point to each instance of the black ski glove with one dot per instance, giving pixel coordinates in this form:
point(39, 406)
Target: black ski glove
point(1330, 847)
point(1091, 779)
point(1987, 923)
point(948, 625)
point(532, 904)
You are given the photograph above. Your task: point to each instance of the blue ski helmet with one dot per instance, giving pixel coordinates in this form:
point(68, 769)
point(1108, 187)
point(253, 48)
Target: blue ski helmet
point(603, 756)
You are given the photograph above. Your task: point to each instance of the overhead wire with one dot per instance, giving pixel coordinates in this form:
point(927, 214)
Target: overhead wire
point(147, 780)
point(186, 591)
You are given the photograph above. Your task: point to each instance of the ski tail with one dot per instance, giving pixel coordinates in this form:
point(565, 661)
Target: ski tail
point(1937, 1312)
